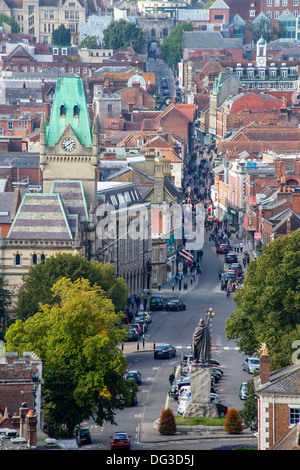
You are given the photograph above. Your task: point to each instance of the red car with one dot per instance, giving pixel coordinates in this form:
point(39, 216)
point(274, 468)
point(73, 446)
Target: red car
point(223, 248)
point(120, 440)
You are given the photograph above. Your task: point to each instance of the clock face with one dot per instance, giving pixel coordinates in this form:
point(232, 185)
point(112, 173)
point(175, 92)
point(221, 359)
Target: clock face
point(68, 145)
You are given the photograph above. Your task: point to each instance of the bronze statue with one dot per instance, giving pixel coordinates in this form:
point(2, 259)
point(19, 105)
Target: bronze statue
point(202, 343)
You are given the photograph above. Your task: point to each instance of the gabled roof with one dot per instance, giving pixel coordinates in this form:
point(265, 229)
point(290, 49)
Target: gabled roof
point(69, 92)
point(284, 381)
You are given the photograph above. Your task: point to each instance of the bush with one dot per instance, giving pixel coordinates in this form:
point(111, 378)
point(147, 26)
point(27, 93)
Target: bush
point(167, 423)
point(233, 422)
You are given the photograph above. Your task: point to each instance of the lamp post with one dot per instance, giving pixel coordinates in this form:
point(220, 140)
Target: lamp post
point(209, 315)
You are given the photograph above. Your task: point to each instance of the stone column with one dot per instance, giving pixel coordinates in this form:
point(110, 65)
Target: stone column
point(200, 405)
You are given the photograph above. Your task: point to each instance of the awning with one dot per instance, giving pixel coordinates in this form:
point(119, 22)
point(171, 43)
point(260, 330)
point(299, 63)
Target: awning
point(187, 253)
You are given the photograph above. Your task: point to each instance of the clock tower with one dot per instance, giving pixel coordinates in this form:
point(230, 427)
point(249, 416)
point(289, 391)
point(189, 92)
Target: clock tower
point(261, 53)
point(68, 144)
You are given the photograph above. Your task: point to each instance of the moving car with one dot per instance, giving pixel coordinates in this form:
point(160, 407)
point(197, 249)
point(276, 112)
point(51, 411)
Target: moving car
point(120, 440)
point(157, 303)
point(243, 391)
point(231, 258)
point(164, 351)
point(175, 305)
point(83, 436)
point(135, 375)
point(164, 82)
point(251, 365)
point(223, 248)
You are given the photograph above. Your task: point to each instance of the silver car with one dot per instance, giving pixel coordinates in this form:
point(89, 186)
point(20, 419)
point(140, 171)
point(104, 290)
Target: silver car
point(251, 364)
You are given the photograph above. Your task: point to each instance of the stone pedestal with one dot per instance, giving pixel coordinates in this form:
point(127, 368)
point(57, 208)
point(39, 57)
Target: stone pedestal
point(200, 405)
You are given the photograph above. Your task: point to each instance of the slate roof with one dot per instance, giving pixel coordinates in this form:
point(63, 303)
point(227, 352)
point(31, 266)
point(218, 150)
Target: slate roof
point(41, 217)
point(285, 381)
point(209, 40)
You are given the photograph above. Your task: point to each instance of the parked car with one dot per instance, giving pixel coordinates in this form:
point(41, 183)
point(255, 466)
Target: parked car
point(164, 82)
point(251, 365)
point(120, 440)
point(231, 258)
point(223, 248)
point(175, 305)
point(146, 316)
point(135, 375)
point(137, 327)
point(237, 267)
point(187, 358)
point(83, 436)
point(140, 321)
point(177, 385)
point(133, 335)
point(243, 391)
point(185, 370)
point(157, 303)
point(164, 350)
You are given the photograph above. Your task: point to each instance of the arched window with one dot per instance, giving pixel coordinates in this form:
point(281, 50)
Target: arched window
point(62, 110)
point(153, 33)
point(34, 259)
point(75, 111)
point(18, 260)
point(43, 258)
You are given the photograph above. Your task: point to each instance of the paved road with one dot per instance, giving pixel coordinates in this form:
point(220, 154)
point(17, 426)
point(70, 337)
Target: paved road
point(177, 328)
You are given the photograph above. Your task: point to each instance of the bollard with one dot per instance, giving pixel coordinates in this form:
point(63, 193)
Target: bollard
point(143, 342)
point(138, 346)
point(153, 345)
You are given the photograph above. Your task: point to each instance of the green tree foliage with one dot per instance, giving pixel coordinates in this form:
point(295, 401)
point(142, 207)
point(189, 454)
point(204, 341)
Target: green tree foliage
point(83, 367)
point(171, 49)
point(268, 307)
point(90, 42)
point(61, 36)
point(5, 302)
point(249, 412)
point(40, 279)
point(15, 28)
point(122, 34)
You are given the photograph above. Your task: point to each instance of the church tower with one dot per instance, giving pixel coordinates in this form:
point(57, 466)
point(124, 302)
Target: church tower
point(261, 53)
point(68, 144)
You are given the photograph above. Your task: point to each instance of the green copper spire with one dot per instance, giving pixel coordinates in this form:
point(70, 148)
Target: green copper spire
point(69, 107)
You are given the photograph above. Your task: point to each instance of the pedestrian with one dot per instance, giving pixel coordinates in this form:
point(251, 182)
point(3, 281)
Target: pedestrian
point(244, 261)
point(171, 378)
point(228, 292)
point(220, 274)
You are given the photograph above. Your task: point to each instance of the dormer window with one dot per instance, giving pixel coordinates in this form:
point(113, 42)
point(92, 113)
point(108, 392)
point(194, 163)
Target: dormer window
point(76, 111)
point(62, 110)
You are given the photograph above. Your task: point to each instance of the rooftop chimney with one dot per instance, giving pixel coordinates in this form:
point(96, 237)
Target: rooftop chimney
point(264, 368)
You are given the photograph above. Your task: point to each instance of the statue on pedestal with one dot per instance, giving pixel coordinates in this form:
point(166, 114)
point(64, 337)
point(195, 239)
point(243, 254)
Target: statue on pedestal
point(202, 343)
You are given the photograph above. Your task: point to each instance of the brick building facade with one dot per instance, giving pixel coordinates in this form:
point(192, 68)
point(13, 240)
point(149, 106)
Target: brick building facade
point(278, 401)
point(20, 382)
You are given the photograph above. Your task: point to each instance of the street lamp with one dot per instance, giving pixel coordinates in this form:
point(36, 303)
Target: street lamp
point(209, 315)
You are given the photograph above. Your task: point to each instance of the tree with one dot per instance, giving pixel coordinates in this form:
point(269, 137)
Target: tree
point(41, 277)
point(122, 34)
point(15, 28)
point(83, 368)
point(90, 42)
point(171, 49)
point(5, 302)
point(61, 36)
point(268, 306)
point(249, 412)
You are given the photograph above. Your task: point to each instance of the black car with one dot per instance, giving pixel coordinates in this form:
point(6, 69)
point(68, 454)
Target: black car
point(83, 436)
point(231, 258)
point(175, 305)
point(164, 351)
point(157, 303)
point(133, 335)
